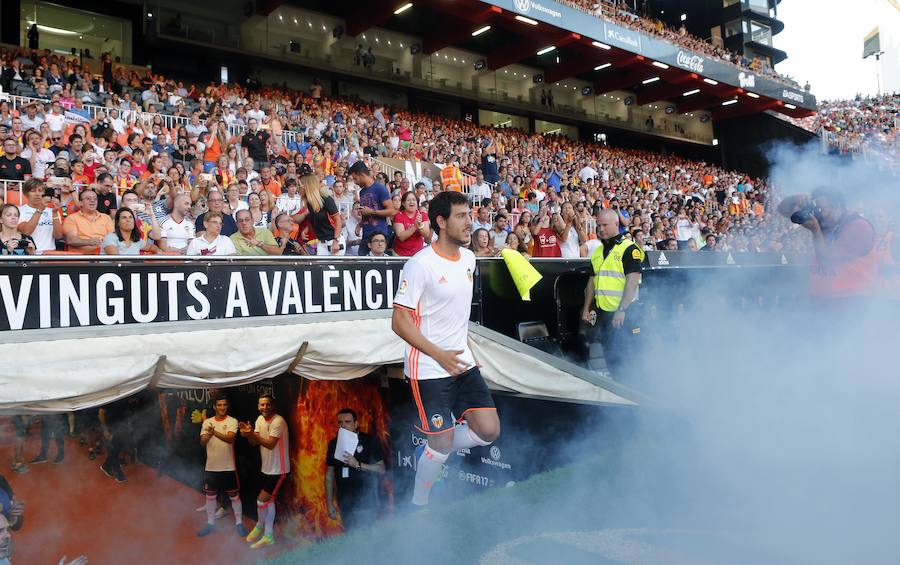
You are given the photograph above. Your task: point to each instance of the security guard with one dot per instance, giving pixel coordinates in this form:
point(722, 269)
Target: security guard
point(613, 288)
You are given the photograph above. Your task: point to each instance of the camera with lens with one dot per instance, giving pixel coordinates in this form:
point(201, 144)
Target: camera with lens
point(805, 214)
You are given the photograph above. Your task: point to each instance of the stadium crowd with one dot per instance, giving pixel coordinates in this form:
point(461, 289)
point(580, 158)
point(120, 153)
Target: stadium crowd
point(619, 12)
point(277, 171)
point(870, 124)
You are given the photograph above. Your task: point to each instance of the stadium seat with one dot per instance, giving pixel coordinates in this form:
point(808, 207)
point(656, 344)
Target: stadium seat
point(536, 335)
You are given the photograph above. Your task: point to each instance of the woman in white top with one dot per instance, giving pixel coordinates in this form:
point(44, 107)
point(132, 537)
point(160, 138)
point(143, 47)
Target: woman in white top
point(233, 198)
point(573, 233)
point(212, 242)
point(126, 238)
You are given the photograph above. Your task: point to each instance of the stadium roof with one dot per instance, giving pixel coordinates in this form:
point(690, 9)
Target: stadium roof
point(605, 54)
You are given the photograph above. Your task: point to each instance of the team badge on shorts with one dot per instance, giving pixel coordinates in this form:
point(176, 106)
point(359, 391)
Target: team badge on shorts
point(437, 421)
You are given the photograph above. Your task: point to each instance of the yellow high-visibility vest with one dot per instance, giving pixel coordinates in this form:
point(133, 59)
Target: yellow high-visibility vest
point(609, 275)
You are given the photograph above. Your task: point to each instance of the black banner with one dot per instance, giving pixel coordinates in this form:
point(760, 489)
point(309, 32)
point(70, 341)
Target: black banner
point(42, 295)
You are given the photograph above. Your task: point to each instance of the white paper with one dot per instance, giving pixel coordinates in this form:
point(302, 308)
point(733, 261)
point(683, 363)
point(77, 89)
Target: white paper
point(345, 472)
point(346, 443)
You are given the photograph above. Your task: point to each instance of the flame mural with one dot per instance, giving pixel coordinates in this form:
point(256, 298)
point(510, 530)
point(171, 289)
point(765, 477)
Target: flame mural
point(313, 424)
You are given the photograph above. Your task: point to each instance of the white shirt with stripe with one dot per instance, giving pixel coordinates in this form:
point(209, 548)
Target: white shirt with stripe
point(439, 291)
point(220, 454)
point(274, 461)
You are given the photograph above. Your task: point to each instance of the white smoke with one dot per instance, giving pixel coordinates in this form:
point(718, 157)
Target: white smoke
point(774, 437)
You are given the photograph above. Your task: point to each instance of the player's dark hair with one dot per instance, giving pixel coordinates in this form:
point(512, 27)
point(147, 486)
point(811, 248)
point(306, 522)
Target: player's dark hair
point(220, 398)
point(350, 411)
point(442, 206)
point(267, 395)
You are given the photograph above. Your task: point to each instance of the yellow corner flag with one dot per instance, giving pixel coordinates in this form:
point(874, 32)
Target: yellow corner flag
point(523, 273)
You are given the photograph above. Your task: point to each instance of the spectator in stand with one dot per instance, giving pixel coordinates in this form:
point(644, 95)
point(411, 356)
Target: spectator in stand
point(32, 118)
point(253, 241)
point(40, 218)
point(572, 234)
point(513, 242)
point(498, 232)
point(290, 201)
point(13, 166)
point(377, 245)
point(212, 240)
point(40, 159)
point(13, 242)
point(178, 228)
point(235, 202)
point(147, 224)
point(268, 182)
point(545, 229)
point(480, 189)
point(483, 219)
point(489, 165)
point(481, 243)
point(255, 142)
point(126, 237)
point(867, 125)
point(216, 204)
point(107, 201)
point(324, 217)
point(334, 134)
point(84, 230)
point(375, 204)
point(411, 227)
point(287, 233)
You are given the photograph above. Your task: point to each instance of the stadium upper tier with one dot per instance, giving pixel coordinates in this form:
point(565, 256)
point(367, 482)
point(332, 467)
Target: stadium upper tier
point(608, 9)
point(608, 49)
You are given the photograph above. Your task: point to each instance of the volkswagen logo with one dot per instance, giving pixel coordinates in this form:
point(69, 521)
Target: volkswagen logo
point(495, 453)
point(522, 5)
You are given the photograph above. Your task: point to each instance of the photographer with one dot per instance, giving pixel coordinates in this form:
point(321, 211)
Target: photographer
point(40, 218)
point(846, 264)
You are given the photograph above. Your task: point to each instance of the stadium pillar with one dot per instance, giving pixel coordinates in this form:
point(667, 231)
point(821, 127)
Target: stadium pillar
point(532, 127)
point(9, 22)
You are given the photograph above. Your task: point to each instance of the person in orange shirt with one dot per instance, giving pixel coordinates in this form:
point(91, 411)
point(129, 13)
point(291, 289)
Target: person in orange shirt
point(268, 182)
point(84, 230)
point(216, 142)
point(78, 173)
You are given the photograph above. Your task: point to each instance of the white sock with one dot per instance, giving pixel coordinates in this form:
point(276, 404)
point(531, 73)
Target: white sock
point(238, 509)
point(428, 471)
point(270, 518)
point(262, 509)
point(211, 509)
point(464, 437)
